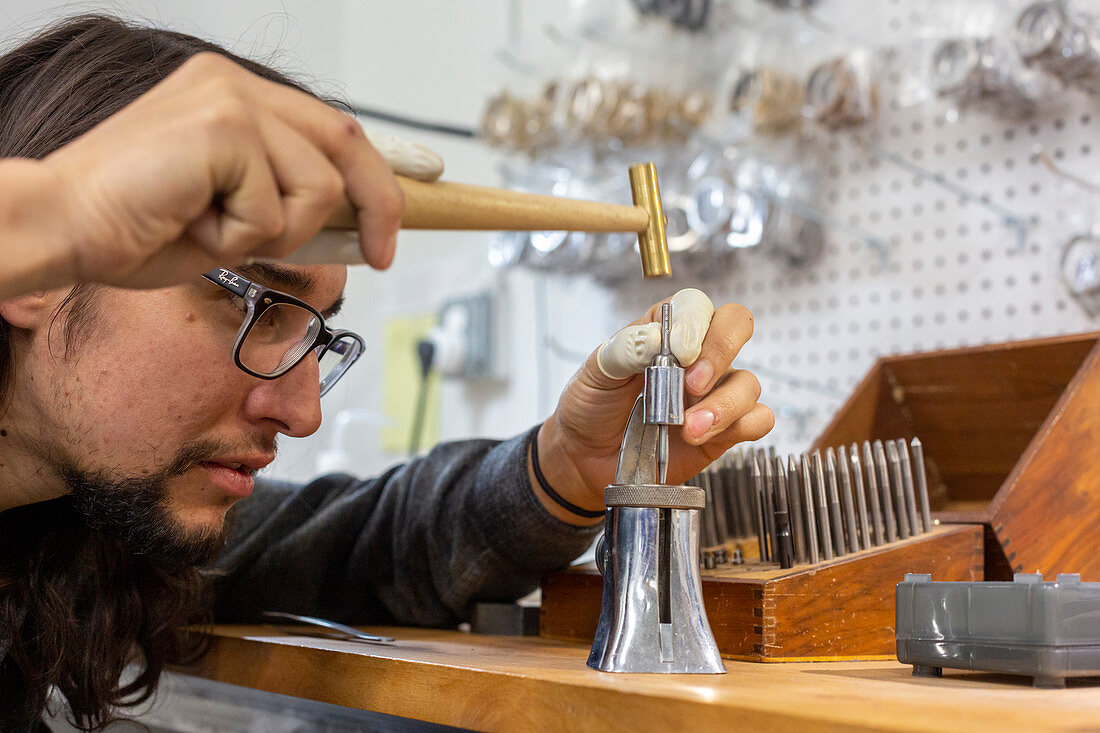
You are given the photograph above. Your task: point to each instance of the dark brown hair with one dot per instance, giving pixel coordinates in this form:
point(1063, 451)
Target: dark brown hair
point(75, 605)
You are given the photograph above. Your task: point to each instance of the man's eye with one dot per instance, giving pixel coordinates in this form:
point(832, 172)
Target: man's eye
point(238, 303)
point(271, 318)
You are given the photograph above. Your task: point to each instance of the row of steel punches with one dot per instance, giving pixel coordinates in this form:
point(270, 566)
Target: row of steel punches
point(816, 506)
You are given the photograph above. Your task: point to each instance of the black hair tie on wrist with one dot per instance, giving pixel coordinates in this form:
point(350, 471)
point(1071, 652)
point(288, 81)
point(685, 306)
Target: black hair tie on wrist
point(558, 498)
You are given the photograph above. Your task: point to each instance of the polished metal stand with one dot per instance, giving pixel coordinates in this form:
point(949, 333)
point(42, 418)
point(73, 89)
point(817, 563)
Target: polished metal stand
point(652, 617)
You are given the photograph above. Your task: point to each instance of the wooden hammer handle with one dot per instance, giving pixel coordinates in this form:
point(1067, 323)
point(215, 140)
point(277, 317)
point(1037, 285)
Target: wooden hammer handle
point(460, 206)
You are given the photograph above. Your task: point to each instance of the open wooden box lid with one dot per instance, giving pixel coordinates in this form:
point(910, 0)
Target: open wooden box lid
point(1011, 436)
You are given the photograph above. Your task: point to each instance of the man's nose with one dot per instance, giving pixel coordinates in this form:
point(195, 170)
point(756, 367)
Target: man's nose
point(292, 401)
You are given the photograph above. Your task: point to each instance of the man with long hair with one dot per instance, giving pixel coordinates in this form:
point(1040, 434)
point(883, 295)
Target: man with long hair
point(147, 365)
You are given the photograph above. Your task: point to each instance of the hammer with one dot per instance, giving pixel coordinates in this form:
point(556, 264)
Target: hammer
point(460, 206)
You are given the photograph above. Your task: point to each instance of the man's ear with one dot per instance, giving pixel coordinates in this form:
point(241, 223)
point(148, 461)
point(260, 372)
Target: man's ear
point(31, 311)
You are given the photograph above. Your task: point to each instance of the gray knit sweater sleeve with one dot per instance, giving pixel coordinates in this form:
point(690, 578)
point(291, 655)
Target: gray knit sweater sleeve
point(417, 545)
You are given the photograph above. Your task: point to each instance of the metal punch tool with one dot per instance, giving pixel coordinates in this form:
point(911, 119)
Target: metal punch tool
point(877, 516)
point(327, 629)
point(810, 506)
point(824, 525)
point(847, 499)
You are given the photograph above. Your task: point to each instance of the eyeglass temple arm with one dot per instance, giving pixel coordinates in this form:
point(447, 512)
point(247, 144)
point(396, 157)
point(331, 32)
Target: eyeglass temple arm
point(229, 280)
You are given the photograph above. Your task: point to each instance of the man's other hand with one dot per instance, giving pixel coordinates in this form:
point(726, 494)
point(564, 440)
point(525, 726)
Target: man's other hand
point(579, 443)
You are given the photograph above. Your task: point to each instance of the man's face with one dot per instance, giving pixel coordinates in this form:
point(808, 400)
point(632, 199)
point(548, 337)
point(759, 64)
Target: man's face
point(147, 406)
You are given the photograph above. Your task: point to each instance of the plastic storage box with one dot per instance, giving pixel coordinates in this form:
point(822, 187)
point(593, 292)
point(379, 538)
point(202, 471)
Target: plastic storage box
point(1046, 630)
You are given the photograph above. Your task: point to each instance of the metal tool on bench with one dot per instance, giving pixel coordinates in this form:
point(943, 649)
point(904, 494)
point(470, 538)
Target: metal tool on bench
point(444, 205)
point(652, 617)
point(814, 507)
point(328, 629)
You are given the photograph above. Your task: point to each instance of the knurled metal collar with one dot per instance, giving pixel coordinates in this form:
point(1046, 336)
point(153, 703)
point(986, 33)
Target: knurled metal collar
point(654, 496)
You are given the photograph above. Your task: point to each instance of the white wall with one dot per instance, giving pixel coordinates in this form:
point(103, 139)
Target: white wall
point(299, 30)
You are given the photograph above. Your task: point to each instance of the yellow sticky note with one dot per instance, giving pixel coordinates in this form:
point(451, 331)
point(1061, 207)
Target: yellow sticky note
point(401, 383)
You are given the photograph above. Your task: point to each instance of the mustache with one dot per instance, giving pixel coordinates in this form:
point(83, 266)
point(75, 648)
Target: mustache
point(203, 450)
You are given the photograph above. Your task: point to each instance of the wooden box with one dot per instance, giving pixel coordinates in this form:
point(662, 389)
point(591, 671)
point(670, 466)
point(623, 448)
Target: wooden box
point(840, 609)
point(1011, 435)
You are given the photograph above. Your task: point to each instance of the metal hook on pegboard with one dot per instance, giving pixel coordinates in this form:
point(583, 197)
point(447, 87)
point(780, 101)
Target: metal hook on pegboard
point(802, 416)
point(793, 381)
point(814, 20)
point(879, 245)
point(1040, 152)
point(1079, 264)
point(515, 63)
point(1008, 218)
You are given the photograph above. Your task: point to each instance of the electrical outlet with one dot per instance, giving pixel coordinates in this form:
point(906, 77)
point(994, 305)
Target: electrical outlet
point(465, 336)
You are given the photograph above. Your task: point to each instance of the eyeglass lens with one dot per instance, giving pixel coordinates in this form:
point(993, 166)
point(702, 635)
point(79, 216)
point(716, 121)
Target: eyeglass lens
point(336, 359)
point(278, 338)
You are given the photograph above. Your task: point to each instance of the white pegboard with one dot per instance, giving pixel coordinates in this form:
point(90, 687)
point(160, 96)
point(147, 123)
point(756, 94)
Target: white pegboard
point(954, 275)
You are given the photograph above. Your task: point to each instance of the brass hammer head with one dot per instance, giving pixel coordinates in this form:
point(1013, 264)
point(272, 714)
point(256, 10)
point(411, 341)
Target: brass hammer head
point(651, 241)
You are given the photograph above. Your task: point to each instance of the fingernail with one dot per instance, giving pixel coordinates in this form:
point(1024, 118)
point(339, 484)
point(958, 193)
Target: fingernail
point(698, 377)
point(700, 421)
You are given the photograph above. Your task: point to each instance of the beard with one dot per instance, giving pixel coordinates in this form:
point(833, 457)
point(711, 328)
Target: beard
point(136, 510)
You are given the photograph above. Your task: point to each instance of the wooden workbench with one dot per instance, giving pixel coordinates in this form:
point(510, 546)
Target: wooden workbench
point(532, 684)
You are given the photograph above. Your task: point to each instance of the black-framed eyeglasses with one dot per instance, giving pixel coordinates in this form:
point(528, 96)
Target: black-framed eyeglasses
point(280, 330)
